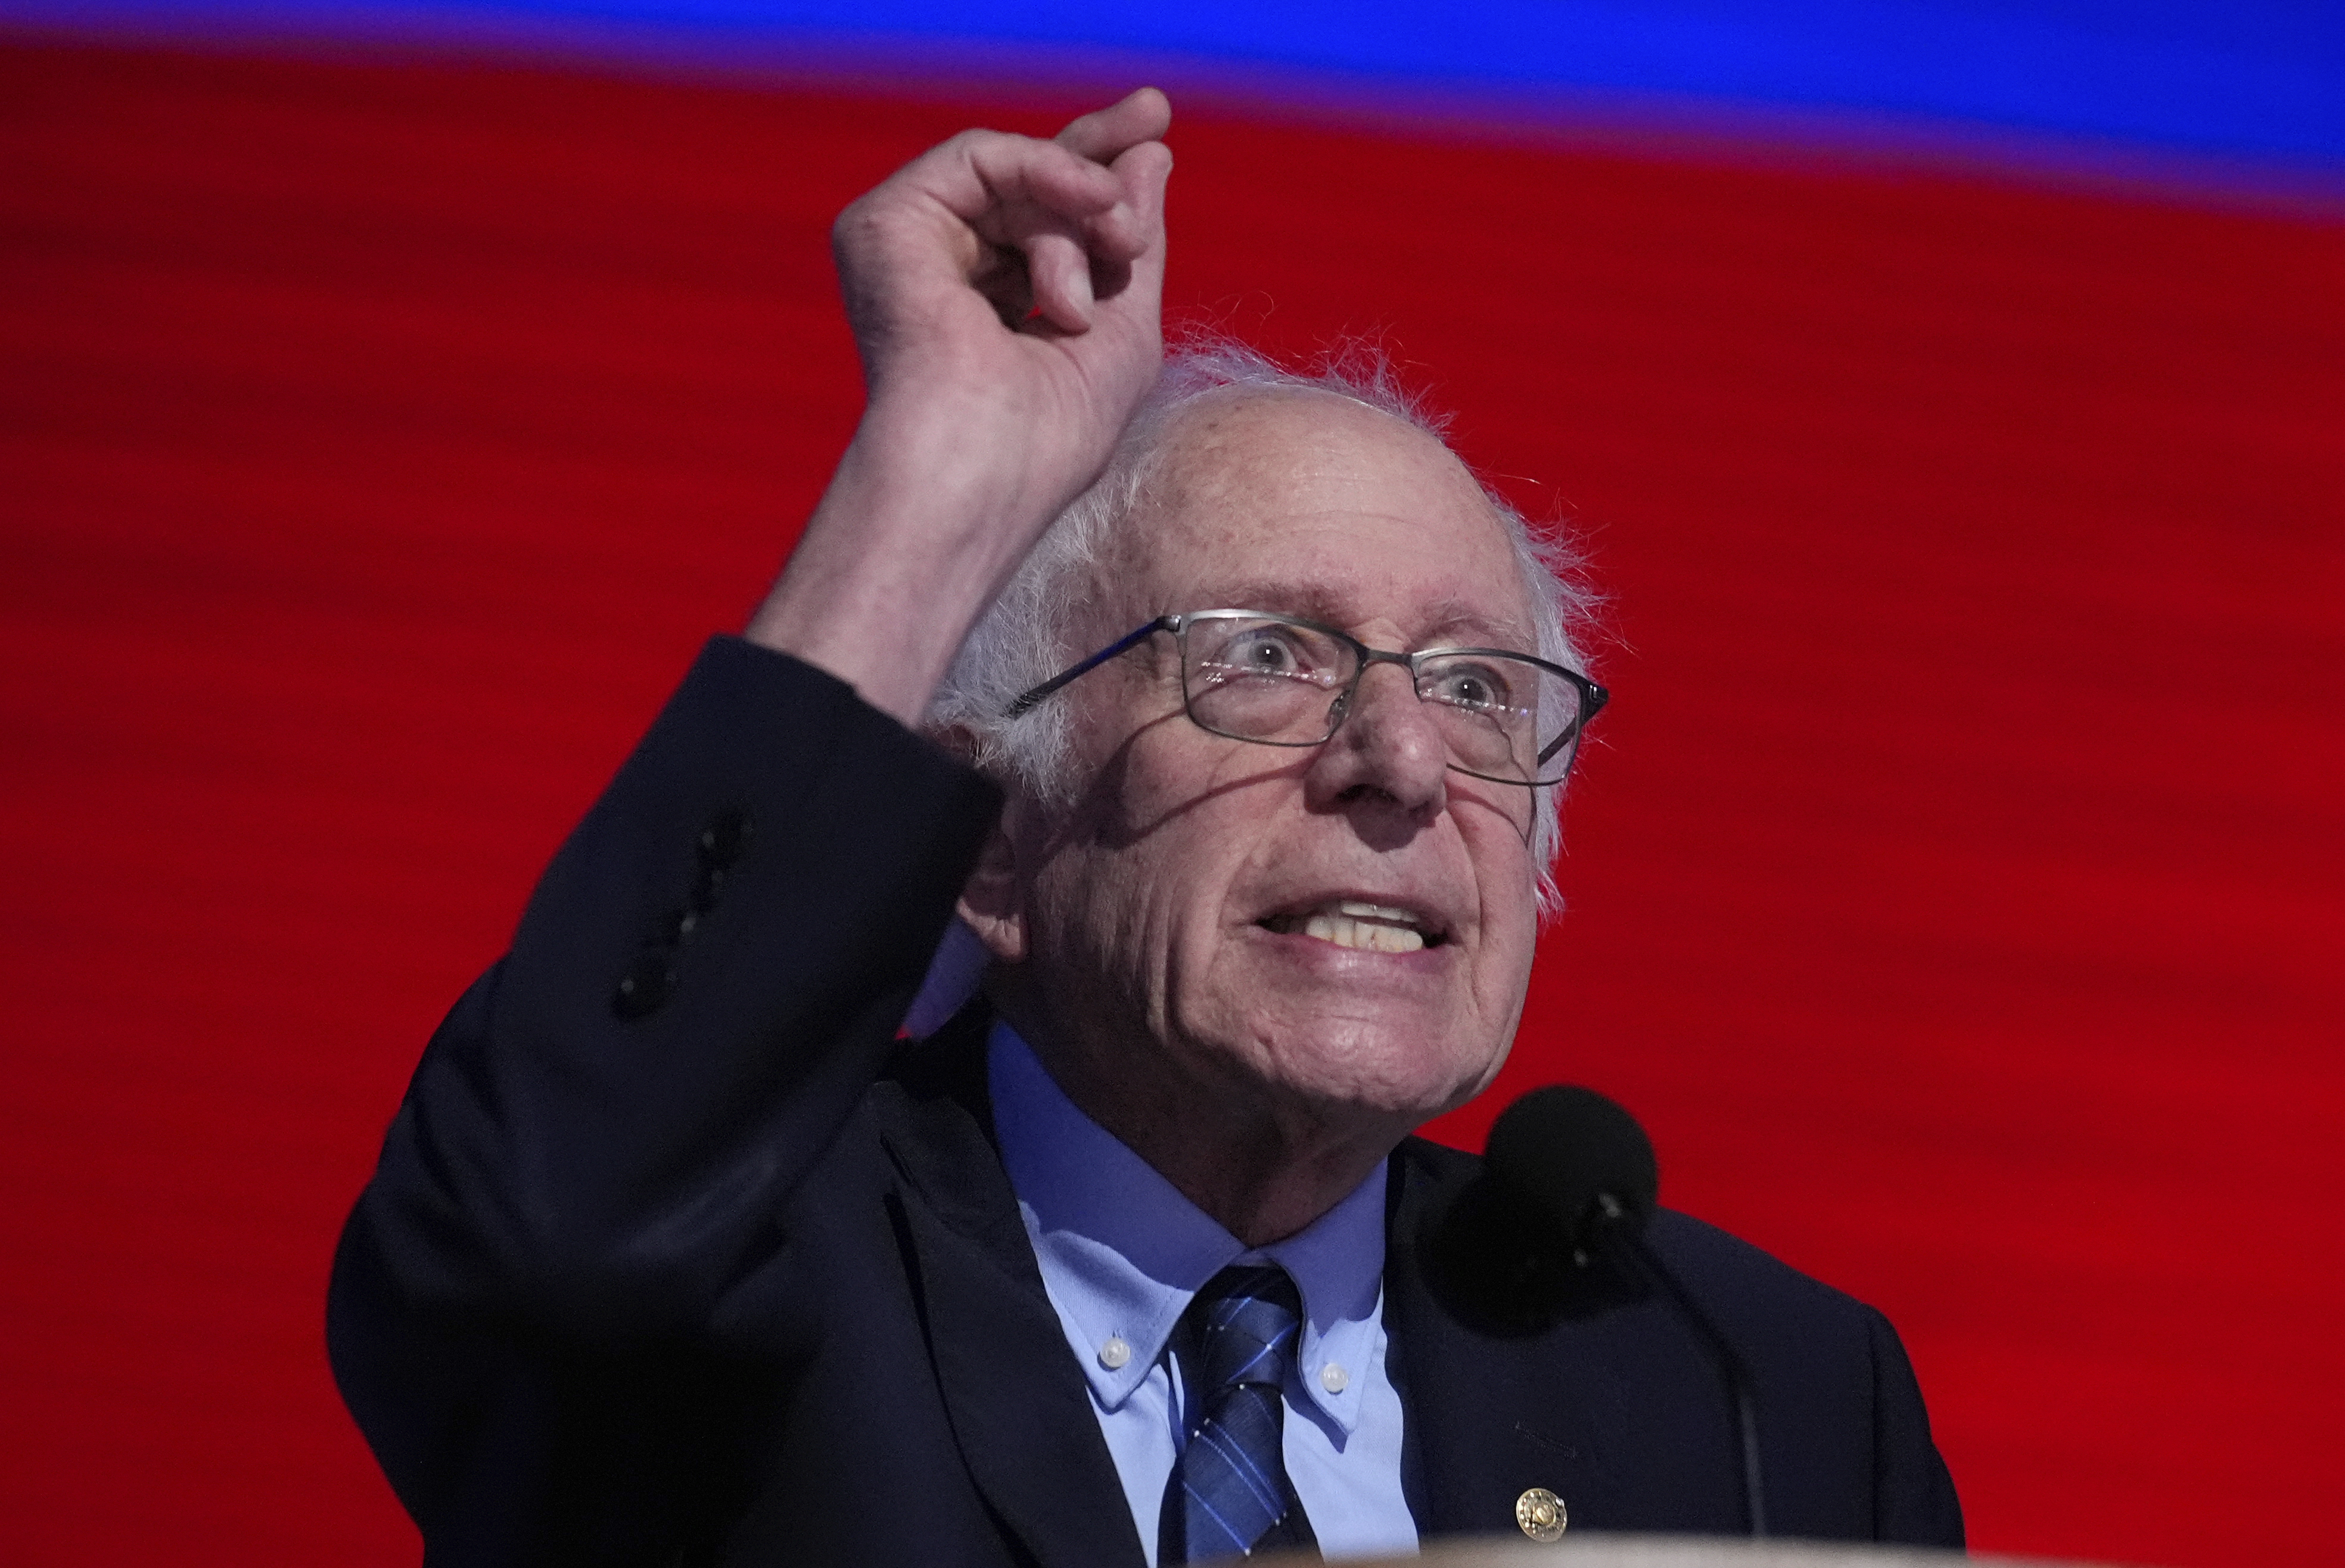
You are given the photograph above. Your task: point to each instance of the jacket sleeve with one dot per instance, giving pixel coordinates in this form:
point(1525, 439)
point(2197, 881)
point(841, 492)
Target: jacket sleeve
point(602, 1135)
point(1913, 1499)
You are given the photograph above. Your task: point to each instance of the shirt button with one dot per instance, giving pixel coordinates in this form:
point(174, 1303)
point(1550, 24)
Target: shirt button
point(1114, 1352)
point(1333, 1378)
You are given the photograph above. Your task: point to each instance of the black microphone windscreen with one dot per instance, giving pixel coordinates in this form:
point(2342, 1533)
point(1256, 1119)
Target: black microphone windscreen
point(1565, 1149)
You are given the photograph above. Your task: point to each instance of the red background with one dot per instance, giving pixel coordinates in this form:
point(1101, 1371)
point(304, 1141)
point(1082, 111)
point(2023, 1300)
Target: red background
point(1957, 890)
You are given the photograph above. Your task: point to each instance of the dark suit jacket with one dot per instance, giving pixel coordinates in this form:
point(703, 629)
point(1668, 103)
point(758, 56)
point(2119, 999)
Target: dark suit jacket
point(676, 1254)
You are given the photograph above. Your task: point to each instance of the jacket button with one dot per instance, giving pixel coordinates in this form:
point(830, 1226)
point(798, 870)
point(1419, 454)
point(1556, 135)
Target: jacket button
point(1538, 1512)
point(725, 840)
point(645, 985)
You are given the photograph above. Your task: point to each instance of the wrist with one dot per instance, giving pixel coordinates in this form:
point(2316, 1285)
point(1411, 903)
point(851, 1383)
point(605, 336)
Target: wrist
point(906, 548)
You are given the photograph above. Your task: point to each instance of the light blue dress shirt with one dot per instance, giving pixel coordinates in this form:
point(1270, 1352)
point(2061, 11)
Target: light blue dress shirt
point(1123, 1252)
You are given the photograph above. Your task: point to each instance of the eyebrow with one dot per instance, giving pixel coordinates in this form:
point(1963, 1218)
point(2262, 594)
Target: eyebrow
point(1448, 622)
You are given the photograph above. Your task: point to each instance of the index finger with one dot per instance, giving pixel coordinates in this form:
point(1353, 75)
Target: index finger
point(1145, 115)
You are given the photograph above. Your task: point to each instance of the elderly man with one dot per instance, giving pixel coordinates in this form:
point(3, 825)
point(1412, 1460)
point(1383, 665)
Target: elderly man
point(1248, 708)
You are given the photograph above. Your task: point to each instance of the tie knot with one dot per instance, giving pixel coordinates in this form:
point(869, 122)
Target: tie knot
point(1247, 1318)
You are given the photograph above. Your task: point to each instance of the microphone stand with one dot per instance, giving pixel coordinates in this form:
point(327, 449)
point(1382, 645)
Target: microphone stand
point(1628, 1242)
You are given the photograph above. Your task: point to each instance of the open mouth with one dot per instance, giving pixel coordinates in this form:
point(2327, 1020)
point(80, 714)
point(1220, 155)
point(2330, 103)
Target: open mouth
point(1355, 923)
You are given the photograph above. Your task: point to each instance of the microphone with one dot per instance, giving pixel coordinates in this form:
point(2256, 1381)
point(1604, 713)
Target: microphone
point(1580, 1159)
point(1568, 1180)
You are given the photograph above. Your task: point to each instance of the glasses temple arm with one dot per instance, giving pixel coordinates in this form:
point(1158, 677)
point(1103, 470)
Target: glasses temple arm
point(1026, 700)
point(1597, 696)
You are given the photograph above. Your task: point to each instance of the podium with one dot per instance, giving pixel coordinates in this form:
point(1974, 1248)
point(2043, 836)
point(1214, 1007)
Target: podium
point(1594, 1549)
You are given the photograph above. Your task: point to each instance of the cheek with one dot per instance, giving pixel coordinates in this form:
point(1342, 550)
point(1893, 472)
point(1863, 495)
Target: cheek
point(1507, 879)
point(1190, 852)
point(1092, 904)
point(1129, 899)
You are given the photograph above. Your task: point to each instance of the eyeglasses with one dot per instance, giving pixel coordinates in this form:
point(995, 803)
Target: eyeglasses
point(1278, 681)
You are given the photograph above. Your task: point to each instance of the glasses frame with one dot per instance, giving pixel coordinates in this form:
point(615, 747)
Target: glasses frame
point(1592, 697)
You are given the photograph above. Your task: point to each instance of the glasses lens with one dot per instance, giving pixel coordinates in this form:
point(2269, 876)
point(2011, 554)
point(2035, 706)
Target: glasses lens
point(1257, 679)
point(1505, 718)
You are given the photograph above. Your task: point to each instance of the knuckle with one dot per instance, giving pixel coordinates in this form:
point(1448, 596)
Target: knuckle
point(870, 227)
point(858, 224)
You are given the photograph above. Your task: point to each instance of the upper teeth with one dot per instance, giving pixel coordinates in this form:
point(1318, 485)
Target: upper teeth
point(1375, 926)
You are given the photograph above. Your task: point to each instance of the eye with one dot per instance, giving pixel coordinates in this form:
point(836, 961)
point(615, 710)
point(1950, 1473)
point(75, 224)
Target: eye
point(1266, 651)
point(1477, 687)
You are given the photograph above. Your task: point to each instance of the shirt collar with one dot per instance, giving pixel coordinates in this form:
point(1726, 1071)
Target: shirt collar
point(1123, 1252)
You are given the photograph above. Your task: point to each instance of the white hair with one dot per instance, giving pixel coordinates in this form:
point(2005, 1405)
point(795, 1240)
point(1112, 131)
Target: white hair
point(1028, 634)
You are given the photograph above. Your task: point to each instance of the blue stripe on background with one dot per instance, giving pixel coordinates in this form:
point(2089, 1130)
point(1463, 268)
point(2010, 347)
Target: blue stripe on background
point(2261, 80)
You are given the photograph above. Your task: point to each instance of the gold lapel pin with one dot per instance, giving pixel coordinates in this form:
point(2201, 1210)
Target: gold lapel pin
point(1539, 1513)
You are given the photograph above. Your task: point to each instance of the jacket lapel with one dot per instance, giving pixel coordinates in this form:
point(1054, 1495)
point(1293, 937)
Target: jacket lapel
point(1018, 1406)
point(1490, 1415)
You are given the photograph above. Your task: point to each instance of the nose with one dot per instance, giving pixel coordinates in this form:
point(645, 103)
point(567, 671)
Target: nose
point(1387, 756)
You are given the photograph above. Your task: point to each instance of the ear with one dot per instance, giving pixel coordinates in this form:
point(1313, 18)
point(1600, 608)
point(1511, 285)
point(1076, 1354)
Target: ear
point(990, 903)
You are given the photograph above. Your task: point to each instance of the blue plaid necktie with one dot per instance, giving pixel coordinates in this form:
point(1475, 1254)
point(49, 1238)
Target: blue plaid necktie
point(1229, 1494)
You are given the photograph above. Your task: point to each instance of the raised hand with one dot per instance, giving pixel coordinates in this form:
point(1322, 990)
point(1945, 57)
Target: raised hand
point(1034, 260)
point(1004, 293)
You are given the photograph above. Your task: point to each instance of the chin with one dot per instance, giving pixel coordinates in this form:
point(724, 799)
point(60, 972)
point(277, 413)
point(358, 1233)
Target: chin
point(1393, 1078)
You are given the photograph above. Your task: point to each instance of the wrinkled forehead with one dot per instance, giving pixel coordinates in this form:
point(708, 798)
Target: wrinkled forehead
point(1309, 503)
